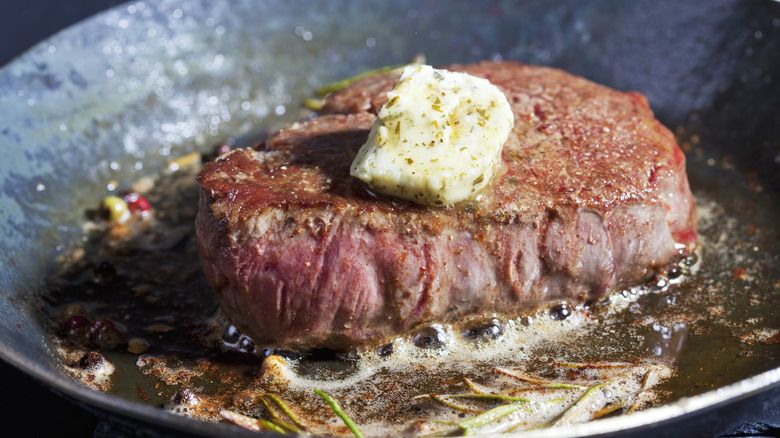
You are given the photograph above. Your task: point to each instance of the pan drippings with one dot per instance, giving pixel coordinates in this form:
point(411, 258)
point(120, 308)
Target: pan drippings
point(132, 314)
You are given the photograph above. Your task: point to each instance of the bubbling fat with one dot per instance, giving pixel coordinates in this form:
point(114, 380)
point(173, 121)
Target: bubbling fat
point(531, 357)
point(452, 350)
point(461, 347)
point(487, 339)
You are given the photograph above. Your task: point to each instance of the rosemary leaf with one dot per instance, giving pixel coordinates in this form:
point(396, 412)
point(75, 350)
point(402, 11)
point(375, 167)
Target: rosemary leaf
point(607, 410)
point(539, 407)
point(271, 426)
point(337, 410)
point(549, 386)
point(432, 429)
point(286, 426)
point(284, 409)
point(489, 397)
point(441, 400)
point(442, 422)
point(519, 375)
point(268, 408)
point(564, 386)
point(338, 85)
point(597, 365)
point(314, 104)
point(572, 410)
point(539, 384)
point(275, 418)
point(489, 417)
point(473, 386)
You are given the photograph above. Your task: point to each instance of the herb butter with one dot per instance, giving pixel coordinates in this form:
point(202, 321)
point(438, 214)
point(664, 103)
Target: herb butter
point(438, 138)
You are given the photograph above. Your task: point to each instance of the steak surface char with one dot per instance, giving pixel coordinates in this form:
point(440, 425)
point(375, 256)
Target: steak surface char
point(592, 196)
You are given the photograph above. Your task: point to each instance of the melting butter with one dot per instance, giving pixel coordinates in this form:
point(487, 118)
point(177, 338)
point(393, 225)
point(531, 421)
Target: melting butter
point(438, 138)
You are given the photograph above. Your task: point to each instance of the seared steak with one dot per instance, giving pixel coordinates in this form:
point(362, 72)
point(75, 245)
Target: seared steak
point(592, 196)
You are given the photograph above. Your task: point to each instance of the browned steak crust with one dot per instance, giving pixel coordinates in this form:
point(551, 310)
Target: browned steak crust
point(592, 196)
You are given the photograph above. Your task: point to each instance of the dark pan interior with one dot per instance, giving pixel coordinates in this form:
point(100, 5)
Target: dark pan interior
point(147, 81)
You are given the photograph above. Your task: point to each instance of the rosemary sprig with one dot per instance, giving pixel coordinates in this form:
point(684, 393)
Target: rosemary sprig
point(343, 83)
point(337, 410)
point(507, 412)
point(442, 400)
point(338, 85)
point(571, 412)
point(511, 404)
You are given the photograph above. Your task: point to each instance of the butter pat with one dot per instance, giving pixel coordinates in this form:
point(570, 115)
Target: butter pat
point(438, 138)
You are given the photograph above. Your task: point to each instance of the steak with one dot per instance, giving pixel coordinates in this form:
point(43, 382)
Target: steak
point(591, 197)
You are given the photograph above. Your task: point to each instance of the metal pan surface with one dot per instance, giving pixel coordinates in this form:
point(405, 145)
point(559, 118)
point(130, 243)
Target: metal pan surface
point(116, 96)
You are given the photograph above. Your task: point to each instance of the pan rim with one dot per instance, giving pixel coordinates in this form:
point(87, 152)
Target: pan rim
point(639, 421)
point(105, 402)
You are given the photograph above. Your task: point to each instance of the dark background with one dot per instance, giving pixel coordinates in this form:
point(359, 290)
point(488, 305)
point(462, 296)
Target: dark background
point(34, 411)
point(24, 23)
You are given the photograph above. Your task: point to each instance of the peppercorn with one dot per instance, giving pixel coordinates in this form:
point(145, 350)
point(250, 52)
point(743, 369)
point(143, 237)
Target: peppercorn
point(114, 209)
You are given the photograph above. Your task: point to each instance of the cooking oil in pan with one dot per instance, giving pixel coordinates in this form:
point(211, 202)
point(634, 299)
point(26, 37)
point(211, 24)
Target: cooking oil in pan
point(136, 317)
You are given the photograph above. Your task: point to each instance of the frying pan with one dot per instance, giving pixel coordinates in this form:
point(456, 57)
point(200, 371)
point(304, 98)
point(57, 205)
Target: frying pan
point(117, 95)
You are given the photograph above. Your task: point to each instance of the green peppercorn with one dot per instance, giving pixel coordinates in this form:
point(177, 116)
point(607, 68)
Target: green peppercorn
point(115, 209)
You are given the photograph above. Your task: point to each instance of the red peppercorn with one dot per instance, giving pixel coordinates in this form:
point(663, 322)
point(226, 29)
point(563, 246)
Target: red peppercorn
point(102, 326)
point(137, 204)
point(104, 333)
point(75, 322)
